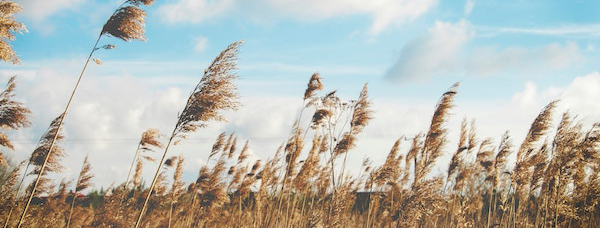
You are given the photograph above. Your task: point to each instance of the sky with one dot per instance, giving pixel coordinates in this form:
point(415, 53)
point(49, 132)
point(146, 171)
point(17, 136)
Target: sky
point(512, 57)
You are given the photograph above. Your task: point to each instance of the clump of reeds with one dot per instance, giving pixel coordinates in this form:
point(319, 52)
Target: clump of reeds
point(13, 114)
point(214, 93)
point(436, 137)
point(45, 159)
point(149, 139)
point(126, 23)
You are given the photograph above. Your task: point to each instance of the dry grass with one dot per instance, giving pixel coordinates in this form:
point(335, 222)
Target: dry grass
point(14, 115)
point(555, 181)
point(8, 27)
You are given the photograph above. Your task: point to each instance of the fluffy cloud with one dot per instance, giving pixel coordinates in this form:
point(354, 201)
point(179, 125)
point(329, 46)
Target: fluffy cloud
point(384, 13)
point(486, 61)
point(571, 30)
point(444, 51)
point(39, 10)
point(433, 54)
point(581, 96)
point(200, 44)
point(195, 11)
point(469, 5)
point(110, 113)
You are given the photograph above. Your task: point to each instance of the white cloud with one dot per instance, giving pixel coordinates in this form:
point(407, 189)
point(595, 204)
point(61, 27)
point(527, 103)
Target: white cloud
point(581, 97)
point(444, 51)
point(469, 5)
point(110, 113)
point(527, 97)
point(432, 54)
point(486, 61)
point(39, 10)
point(384, 13)
point(201, 44)
point(195, 11)
point(571, 30)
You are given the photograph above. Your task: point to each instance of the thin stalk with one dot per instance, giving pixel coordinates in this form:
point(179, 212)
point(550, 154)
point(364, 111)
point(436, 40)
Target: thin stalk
point(556, 187)
point(75, 195)
point(489, 208)
point(287, 170)
point(71, 209)
point(369, 208)
point(137, 152)
point(57, 132)
point(17, 195)
point(343, 168)
point(160, 164)
point(170, 214)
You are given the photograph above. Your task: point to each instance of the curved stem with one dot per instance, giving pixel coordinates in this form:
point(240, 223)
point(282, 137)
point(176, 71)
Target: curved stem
point(17, 195)
point(57, 132)
point(71, 209)
point(162, 160)
point(137, 152)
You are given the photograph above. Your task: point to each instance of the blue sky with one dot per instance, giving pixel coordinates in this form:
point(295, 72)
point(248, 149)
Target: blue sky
point(511, 57)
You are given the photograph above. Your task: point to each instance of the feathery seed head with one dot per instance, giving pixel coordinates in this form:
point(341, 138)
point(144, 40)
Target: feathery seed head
point(314, 84)
point(9, 26)
point(138, 2)
point(214, 93)
point(218, 145)
point(14, 115)
point(319, 118)
point(127, 23)
point(149, 138)
point(244, 153)
point(84, 176)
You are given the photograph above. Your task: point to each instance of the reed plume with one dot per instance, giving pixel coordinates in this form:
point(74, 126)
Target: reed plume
point(232, 148)
point(293, 149)
point(9, 184)
point(149, 139)
point(361, 116)
point(525, 160)
point(126, 23)
point(435, 139)
point(457, 160)
point(314, 84)
point(8, 27)
point(504, 150)
point(83, 182)
point(214, 93)
point(13, 114)
point(45, 158)
point(177, 187)
point(310, 167)
point(217, 146)
point(389, 172)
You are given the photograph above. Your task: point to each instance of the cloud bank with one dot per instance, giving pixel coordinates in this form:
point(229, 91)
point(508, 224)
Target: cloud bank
point(447, 49)
point(383, 13)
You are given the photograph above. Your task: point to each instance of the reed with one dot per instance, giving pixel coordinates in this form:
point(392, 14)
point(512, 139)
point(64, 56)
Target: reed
point(83, 182)
point(13, 114)
point(554, 182)
point(214, 93)
point(8, 27)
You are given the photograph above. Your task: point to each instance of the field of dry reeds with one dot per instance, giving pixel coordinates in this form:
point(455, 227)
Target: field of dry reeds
point(554, 181)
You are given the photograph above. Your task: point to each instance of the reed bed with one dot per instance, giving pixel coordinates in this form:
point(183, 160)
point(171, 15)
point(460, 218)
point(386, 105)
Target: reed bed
point(553, 182)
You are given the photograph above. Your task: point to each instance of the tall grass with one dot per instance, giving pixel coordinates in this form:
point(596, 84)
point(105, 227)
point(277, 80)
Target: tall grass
point(126, 23)
point(8, 27)
point(553, 182)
